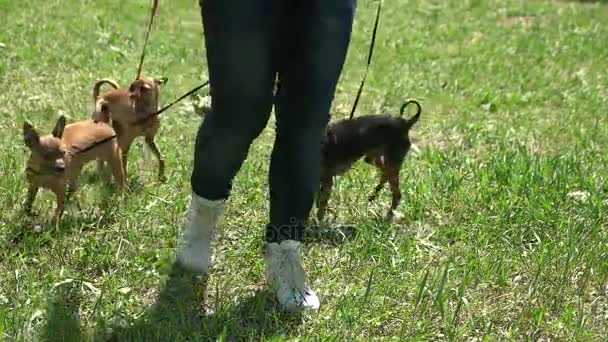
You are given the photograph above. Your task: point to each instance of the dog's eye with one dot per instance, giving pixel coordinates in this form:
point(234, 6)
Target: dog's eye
point(47, 155)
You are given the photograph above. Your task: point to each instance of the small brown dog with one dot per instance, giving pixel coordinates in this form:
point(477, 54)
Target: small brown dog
point(129, 111)
point(56, 159)
point(383, 140)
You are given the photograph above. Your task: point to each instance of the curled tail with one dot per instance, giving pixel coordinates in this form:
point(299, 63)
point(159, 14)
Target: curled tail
point(100, 107)
point(101, 82)
point(407, 103)
point(416, 116)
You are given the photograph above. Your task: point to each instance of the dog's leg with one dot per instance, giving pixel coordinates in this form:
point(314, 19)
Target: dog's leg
point(71, 177)
point(392, 174)
point(102, 170)
point(60, 194)
point(324, 194)
point(72, 183)
point(381, 184)
point(29, 200)
point(378, 162)
point(161, 163)
point(125, 155)
point(117, 162)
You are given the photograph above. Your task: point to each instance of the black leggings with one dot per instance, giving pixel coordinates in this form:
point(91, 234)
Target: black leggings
point(249, 43)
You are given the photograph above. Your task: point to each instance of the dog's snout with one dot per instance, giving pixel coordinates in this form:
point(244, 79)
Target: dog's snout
point(60, 164)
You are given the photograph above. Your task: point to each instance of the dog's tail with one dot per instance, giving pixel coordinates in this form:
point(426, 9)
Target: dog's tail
point(100, 110)
point(101, 82)
point(416, 116)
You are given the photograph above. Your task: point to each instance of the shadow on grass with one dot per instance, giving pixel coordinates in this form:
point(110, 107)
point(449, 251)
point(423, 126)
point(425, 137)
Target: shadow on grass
point(134, 182)
point(96, 214)
point(63, 318)
point(329, 235)
point(180, 314)
point(100, 214)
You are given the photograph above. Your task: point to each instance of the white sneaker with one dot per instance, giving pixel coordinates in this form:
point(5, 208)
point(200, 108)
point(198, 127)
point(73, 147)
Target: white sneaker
point(195, 248)
point(284, 272)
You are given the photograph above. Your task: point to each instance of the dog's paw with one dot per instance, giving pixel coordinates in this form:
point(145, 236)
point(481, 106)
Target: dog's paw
point(37, 228)
point(415, 149)
point(397, 215)
point(393, 215)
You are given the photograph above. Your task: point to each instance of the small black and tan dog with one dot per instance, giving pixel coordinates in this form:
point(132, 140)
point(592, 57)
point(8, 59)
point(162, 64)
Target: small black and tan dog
point(382, 140)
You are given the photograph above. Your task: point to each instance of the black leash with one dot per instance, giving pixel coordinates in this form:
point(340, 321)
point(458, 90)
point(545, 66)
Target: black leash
point(143, 50)
point(140, 121)
point(369, 59)
point(95, 144)
point(30, 170)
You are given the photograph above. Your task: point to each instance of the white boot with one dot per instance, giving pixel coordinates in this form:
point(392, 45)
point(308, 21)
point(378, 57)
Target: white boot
point(285, 274)
point(195, 248)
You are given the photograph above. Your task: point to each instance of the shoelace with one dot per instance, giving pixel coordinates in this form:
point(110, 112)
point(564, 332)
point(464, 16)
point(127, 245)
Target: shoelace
point(292, 263)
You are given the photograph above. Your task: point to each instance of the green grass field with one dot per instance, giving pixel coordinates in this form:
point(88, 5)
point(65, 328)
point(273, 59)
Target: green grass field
point(502, 234)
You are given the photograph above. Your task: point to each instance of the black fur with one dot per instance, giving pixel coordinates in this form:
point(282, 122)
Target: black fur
point(381, 140)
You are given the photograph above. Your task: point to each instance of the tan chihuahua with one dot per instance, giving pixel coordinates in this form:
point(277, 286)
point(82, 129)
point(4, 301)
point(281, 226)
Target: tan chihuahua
point(56, 159)
point(129, 111)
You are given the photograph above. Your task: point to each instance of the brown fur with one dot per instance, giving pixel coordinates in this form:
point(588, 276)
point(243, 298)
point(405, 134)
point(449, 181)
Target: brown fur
point(128, 111)
point(56, 159)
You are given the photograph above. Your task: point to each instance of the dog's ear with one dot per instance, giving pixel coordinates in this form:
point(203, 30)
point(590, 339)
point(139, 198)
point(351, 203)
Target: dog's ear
point(161, 80)
point(59, 126)
point(30, 135)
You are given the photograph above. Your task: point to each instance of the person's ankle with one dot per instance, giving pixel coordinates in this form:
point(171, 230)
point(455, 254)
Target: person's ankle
point(195, 250)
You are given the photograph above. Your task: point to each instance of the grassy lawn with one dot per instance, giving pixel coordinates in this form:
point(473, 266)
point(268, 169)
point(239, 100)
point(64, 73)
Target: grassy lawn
point(502, 234)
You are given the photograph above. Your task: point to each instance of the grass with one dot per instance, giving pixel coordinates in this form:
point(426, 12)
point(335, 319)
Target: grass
point(502, 233)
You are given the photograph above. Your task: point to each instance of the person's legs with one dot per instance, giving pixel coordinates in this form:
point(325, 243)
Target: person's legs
point(239, 38)
point(317, 41)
